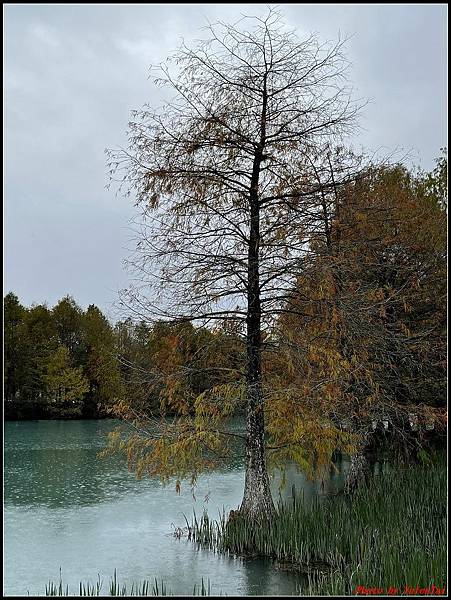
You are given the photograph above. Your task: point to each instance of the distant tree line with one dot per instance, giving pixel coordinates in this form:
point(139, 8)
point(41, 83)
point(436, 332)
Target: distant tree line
point(63, 362)
point(59, 362)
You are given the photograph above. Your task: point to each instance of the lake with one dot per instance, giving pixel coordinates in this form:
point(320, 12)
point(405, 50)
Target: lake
point(65, 508)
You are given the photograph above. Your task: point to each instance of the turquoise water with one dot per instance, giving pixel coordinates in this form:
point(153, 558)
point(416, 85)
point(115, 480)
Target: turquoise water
point(65, 508)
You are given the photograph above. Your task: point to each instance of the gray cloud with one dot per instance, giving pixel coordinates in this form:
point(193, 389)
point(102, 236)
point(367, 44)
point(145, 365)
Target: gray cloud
point(74, 73)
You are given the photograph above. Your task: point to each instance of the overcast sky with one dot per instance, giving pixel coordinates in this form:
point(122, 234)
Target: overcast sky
point(73, 73)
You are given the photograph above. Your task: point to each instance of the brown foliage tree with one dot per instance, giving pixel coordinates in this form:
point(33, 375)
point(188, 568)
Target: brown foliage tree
point(367, 341)
point(226, 174)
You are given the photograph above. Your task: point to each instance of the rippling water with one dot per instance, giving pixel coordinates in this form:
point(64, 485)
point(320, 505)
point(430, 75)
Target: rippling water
point(65, 508)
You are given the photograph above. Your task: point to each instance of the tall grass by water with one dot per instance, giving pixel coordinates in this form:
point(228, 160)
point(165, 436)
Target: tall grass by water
point(143, 588)
point(388, 534)
point(391, 533)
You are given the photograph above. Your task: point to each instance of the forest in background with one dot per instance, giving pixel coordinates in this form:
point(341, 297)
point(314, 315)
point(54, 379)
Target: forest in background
point(63, 362)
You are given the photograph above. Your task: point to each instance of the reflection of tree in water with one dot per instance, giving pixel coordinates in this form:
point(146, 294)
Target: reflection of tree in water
point(330, 481)
point(262, 578)
point(55, 464)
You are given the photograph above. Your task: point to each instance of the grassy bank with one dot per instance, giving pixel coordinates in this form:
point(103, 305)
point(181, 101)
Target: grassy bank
point(389, 534)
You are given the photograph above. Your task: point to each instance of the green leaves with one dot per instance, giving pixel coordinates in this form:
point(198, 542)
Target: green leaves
point(60, 362)
point(64, 384)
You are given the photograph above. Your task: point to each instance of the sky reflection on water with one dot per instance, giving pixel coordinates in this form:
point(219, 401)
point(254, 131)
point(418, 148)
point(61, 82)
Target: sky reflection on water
point(64, 507)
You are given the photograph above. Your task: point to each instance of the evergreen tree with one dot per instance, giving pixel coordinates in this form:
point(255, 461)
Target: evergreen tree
point(64, 385)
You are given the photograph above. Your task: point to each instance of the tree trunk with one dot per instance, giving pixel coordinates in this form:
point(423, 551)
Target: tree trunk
point(257, 501)
point(360, 470)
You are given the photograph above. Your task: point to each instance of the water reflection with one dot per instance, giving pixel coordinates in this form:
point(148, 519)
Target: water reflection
point(55, 464)
point(66, 508)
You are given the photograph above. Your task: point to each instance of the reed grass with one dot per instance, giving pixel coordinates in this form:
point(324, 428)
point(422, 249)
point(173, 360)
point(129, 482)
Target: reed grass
point(387, 534)
point(143, 588)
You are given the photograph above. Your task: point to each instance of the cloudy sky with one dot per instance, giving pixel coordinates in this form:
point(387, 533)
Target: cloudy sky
point(73, 73)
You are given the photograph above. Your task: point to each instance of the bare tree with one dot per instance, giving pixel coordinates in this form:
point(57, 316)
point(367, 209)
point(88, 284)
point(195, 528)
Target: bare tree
point(229, 177)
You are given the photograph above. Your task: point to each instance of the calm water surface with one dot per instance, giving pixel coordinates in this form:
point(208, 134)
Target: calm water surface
point(65, 508)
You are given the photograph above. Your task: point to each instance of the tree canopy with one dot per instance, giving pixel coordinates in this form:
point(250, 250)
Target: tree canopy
point(246, 188)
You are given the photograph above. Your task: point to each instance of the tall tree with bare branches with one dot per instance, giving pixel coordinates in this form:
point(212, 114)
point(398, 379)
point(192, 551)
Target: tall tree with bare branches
point(230, 175)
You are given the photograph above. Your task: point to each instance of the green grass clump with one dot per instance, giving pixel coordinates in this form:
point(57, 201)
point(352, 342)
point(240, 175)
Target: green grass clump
point(390, 533)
